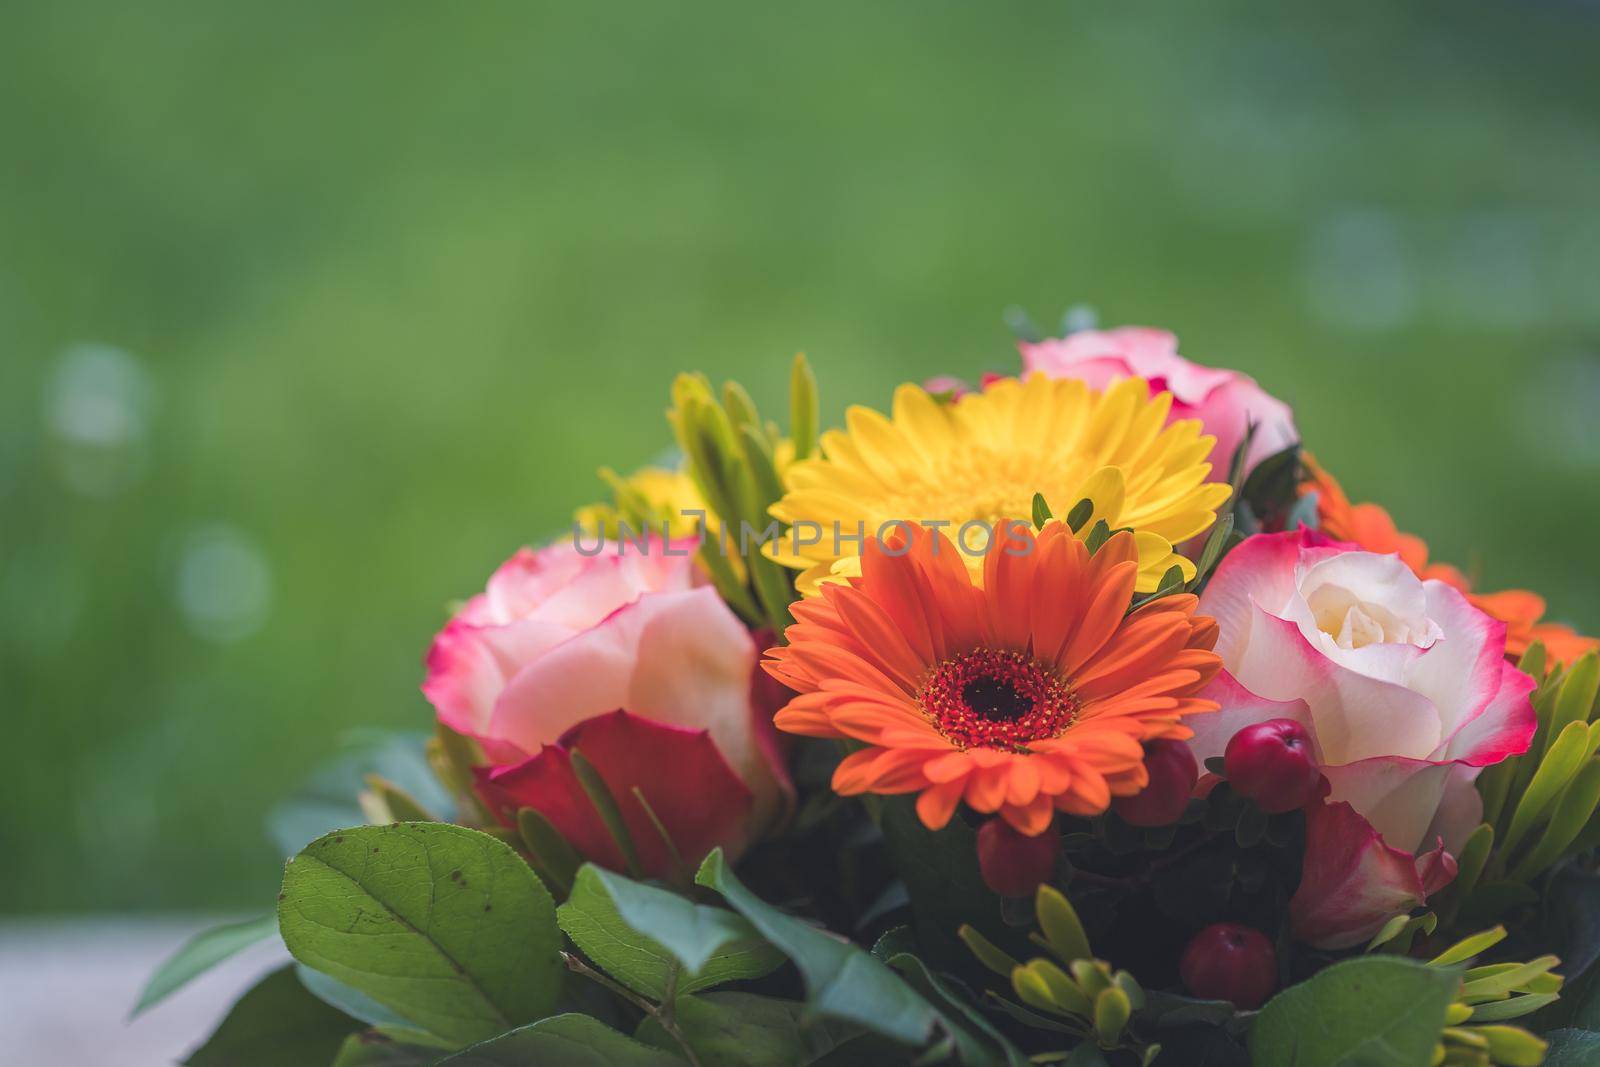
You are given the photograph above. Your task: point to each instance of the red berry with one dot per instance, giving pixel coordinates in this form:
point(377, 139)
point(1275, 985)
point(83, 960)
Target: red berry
point(1013, 864)
point(1271, 764)
point(1173, 773)
point(1226, 961)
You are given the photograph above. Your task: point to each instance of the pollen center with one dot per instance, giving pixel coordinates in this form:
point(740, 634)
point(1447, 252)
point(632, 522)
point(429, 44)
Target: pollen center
point(997, 698)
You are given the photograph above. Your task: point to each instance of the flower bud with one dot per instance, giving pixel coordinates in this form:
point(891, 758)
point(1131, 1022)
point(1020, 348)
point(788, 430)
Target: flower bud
point(1226, 961)
point(1013, 864)
point(1271, 763)
point(1173, 773)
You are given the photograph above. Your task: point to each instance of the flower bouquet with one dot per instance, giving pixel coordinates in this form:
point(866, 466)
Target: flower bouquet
point(1077, 717)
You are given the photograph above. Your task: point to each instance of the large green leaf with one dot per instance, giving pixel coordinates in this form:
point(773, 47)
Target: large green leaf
point(276, 1024)
point(444, 925)
point(842, 981)
point(1573, 1048)
point(202, 952)
point(370, 1048)
point(564, 1040)
point(744, 1030)
point(363, 1008)
point(607, 916)
point(1376, 1011)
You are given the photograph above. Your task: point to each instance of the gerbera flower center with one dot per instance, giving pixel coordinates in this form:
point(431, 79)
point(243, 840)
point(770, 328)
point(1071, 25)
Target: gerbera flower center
point(997, 698)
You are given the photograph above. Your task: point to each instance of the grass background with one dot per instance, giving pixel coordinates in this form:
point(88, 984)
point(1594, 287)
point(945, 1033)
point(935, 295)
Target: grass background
point(383, 284)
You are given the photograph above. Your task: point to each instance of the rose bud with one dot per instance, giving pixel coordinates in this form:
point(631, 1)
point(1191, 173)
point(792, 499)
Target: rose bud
point(1014, 864)
point(1226, 961)
point(1173, 773)
point(1271, 763)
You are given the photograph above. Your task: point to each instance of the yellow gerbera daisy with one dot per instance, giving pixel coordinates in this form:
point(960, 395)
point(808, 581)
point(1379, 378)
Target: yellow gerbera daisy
point(982, 459)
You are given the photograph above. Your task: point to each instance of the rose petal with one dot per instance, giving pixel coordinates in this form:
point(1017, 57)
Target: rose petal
point(1397, 796)
point(1354, 717)
point(680, 658)
point(685, 779)
point(1259, 572)
point(1351, 882)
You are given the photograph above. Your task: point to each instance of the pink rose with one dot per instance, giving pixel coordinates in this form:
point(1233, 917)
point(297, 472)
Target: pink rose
point(1404, 690)
point(536, 666)
point(1224, 401)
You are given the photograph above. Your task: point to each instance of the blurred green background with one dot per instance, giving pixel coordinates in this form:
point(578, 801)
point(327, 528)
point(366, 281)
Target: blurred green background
point(311, 313)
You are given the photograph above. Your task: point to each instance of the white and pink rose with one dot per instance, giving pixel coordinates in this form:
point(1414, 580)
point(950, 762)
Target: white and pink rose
point(627, 657)
point(1405, 692)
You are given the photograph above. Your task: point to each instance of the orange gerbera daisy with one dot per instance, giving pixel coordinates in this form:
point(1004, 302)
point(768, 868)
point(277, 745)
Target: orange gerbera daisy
point(1371, 527)
point(1024, 693)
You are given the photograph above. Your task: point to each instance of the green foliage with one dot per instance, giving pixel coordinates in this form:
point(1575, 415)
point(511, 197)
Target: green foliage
point(389, 1024)
point(1077, 994)
point(940, 871)
point(444, 925)
point(552, 856)
point(202, 952)
point(277, 1023)
point(842, 981)
point(654, 941)
point(1269, 492)
point(743, 1030)
point(1540, 807)
point(329, 799)
point(568, 1040)
point(1374, 1011)
point(1573, 1048)
point(976, 1039)
point(370, 1048)
point(735, 460)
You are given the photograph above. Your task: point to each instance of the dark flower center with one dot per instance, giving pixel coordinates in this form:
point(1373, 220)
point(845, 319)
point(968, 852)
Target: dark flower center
point(997, 698)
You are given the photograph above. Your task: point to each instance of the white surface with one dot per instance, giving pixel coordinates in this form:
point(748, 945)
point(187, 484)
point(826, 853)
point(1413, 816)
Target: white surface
point(67, 986)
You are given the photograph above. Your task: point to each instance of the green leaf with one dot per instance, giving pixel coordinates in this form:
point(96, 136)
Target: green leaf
point(1571, 918)
point(1576, 701)
point(605, 805)
point(1080, 514)
point(842, 981)
point(1376, 1011)
point(276, 1024)
point(743, 1030)
point(553, 857)
point(363, 1008)
point(370, 1048)
point(1573, 810)
point(328, 800)
point(802, 407)
point(386, 802)
point(1060, 925)
point(1272, 484)
point(1041, 511)
point(940, 871)
point(976, 1039)
point(1573, 1048)
point(200, 953)
point(1569, 750)
point(1216, 543)
point(445, 925)
point(567, 1040)
point(607, 916)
